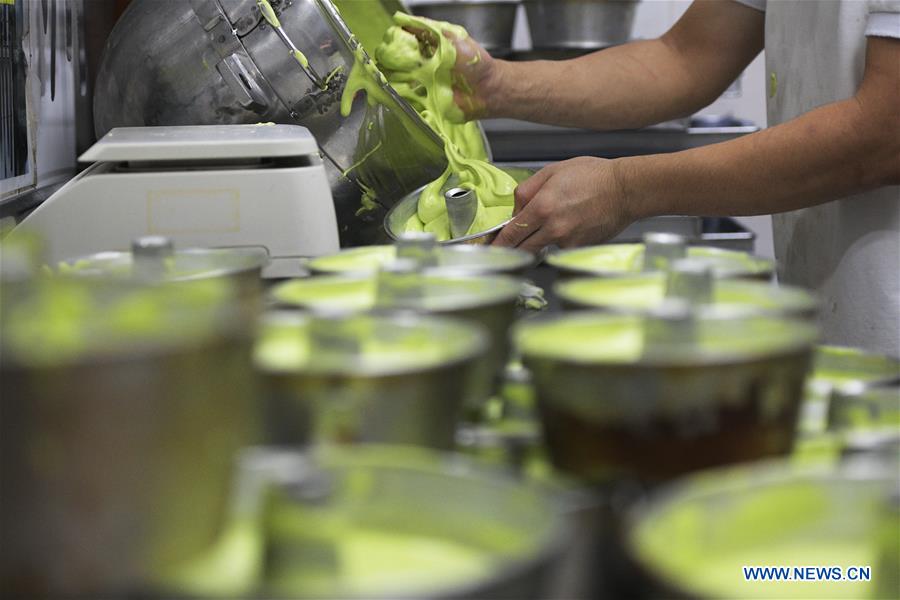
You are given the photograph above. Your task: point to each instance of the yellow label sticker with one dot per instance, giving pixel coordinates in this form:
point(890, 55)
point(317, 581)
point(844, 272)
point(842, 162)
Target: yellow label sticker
point(773, 84)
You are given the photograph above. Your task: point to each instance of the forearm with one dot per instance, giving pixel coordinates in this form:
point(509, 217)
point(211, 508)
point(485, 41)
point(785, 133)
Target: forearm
point(629, 86)
point(635, 84)
point(825, 154)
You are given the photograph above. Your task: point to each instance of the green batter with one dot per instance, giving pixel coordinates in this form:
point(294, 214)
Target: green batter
point(702, 546)
point(61, 320)
point(421, 73)
point(629, 258)
point(369, 562)
point(620, 339)
point(649, 290)
point(368, 346)
point(435, 293)
point(835, 365)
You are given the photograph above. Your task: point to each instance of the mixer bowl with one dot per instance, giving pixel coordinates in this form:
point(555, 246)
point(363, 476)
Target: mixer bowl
point(579, 24)
point(197, 63)
point(489, 22)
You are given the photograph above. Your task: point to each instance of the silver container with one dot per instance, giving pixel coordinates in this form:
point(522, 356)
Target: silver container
point(471, 259)
point(123, 409)
point(371, 379)
point(204, 62)
point(837, 370)
point(653, 397)
point(395, 221)
point(693, 539)
point(583, 24)
point(489, 22)
point(487, 301)
point(615, 260)
point(643, 292)
point(154, 259)
point(385, 522)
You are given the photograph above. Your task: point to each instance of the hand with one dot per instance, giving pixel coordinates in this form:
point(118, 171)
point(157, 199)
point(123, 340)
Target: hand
point(472, 76)
point(570, 203)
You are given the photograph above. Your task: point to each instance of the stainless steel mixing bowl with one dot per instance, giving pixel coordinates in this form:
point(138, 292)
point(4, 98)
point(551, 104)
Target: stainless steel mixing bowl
point(582, 24)
point(169, 62)
point(373, 379)
point(693, 539)
point(383, 522)
point(654, 397)
point(123, 409)
point(615, 260)
point(489, 22)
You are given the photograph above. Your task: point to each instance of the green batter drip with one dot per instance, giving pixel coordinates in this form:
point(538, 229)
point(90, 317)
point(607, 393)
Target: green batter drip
point(424, 79)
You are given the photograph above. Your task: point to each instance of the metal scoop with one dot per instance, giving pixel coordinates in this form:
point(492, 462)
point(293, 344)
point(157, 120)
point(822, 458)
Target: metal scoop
point(462, 204)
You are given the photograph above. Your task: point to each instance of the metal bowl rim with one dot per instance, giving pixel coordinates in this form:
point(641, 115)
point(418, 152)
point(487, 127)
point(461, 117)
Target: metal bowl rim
point(796, 345)
point(752, 477)
point(512, 293)
point(454, 465)
point(478, 345)
point(553, 260)
point(806, 306)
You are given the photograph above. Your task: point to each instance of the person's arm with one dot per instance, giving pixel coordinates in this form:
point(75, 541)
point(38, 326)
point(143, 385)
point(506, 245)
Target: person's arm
point(633, 85)
point(833, 151)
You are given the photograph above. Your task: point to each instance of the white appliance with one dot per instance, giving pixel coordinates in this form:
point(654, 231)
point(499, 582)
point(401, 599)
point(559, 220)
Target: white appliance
point(202, 186)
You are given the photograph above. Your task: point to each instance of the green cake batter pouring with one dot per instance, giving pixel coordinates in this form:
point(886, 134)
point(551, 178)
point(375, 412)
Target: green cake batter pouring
point(419, 69)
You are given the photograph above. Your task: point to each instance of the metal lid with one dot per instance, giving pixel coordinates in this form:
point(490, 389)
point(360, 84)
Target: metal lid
point(469, 259)
point(435, 293)
point(153, 258)
point(613, 260)
point(641, 292)
point(672, 336)
point(364, 345)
